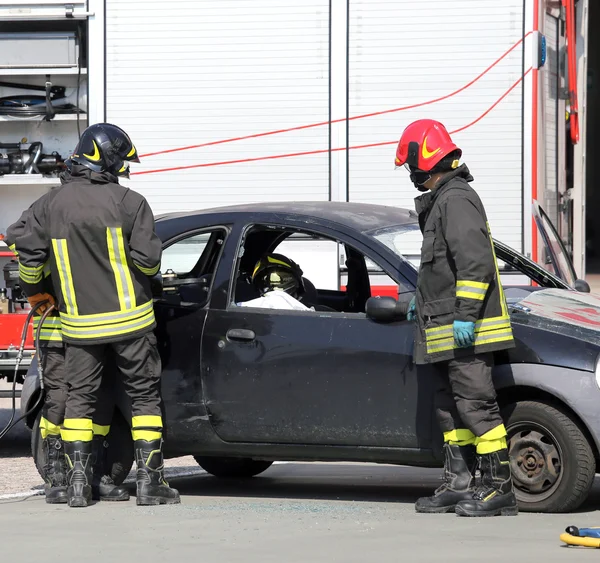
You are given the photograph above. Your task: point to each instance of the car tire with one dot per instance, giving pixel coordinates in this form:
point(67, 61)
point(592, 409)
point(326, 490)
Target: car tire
point(232, 468)
point(552, 462)
point(120, 449)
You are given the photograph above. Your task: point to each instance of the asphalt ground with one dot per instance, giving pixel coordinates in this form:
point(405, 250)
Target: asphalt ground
point(294, 512)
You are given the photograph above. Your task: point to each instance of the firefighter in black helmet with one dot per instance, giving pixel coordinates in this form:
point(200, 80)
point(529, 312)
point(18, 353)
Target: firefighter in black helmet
point(462, 318)
point(99, 240)
point(53, 410)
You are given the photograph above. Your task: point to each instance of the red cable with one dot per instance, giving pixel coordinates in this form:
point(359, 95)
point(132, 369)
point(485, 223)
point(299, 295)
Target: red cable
point(373, 114)
point(321, 151)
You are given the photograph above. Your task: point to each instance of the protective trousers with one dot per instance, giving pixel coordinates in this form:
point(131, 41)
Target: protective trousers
point(465, 403)
point(55, 401)
point(138, 362)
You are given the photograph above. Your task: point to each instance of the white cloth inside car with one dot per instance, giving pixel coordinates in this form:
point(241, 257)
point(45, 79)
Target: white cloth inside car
point(276, 299)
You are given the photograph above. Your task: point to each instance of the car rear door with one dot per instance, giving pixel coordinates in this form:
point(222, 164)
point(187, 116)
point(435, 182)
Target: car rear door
point(305, 377)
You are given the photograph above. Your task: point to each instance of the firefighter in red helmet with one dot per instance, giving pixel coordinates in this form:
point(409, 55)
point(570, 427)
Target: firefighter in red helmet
point(461, 319)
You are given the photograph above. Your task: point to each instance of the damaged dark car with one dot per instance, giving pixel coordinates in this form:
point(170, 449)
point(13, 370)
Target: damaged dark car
point(243, 387)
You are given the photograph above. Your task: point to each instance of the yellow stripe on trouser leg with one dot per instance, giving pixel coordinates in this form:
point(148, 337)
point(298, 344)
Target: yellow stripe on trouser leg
point(459, 437)
point(77, 430)
point(100, 430)
point(492, 441)
point(146, 427)
point(47, 428)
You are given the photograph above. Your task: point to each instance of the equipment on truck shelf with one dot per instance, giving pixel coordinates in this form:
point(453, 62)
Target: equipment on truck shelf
point(18, 158)
point(52, 102)
point(11, 281)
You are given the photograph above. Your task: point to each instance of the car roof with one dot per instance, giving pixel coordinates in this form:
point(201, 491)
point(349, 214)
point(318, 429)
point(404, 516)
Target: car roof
point(359, 216)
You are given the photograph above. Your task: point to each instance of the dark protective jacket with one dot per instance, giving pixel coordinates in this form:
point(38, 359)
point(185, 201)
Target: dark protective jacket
point(99, 240)
point(458, 276)
point(50, 333)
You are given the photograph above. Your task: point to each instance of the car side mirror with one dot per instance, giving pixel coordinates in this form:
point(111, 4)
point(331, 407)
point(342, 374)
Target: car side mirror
point(582, 286)
point(386, 309)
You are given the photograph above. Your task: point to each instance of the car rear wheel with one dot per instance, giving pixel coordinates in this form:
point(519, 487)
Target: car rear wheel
point(229, 467)
point(120, 448)
point(552, 462)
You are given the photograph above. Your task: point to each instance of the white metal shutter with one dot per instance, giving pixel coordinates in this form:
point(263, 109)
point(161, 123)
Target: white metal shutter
point(549, 196)
point(404, 52)
point(185, 72)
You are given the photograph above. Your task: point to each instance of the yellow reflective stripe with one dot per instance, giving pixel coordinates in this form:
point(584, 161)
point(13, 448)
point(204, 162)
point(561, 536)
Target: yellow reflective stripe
point(470, 295)
point(148, 271)
point(48, 428)
point(107, 331)
point(148, 435)
point(147, 420)
point(118, 262)
point(123, 259)
point(491, 446)
point(480, 325)
point(107, 318)
point(49, 322)
point(28, 276)
point(76, 435)
point(53, 335)
point(101, 430)
point(460, 436)
point(489, 337)
point(64, 272)
point(478, 285)
point(13, 249)
point(503, 305)
point(494, 434)
point(77, 429)
point(32, 270)
point(78, 423)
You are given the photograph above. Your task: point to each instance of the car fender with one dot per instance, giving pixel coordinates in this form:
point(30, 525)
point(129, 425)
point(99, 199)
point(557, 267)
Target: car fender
point(577, 389)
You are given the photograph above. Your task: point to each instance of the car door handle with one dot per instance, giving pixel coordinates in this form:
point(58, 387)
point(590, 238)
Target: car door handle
point(240, 334)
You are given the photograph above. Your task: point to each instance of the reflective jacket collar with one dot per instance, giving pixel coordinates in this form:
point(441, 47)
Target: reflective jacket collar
point(79, 172)
point(425, 201)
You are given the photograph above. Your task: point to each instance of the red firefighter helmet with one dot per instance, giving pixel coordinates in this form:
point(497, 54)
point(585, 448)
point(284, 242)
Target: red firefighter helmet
point(424, 144)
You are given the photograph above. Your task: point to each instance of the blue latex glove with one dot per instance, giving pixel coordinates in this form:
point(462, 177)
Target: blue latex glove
point(464, 333)
point(411, 310)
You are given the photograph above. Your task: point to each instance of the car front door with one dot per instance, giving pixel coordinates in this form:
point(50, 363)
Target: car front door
point(311, 377)
point(187, 268)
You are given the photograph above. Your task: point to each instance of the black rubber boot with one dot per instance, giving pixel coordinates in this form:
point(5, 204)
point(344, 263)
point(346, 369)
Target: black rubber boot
point(152, 488)
point(55, 470)
point(459, 482)
point(79, 473)
point(103, 487)
point(495, 496)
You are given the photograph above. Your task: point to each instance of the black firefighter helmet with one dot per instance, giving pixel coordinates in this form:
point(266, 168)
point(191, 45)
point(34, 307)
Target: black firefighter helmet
point(104, 147)
point(275, 271)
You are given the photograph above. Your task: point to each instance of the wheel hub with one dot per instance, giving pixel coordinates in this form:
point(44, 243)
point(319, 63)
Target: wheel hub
point(535, 461)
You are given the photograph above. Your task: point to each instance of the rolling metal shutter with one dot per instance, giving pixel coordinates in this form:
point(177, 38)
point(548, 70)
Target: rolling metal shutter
point(182, 73)
point(405, 52)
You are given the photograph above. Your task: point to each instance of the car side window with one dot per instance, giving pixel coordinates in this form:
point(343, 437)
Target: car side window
point(188, 265)
point(336, 277)
point(183, 255)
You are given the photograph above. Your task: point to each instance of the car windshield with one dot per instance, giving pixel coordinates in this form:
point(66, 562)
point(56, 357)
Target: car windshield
point(404, 240)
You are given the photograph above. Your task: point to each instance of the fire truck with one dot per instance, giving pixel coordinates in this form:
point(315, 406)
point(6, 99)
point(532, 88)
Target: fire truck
point(238, 101)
